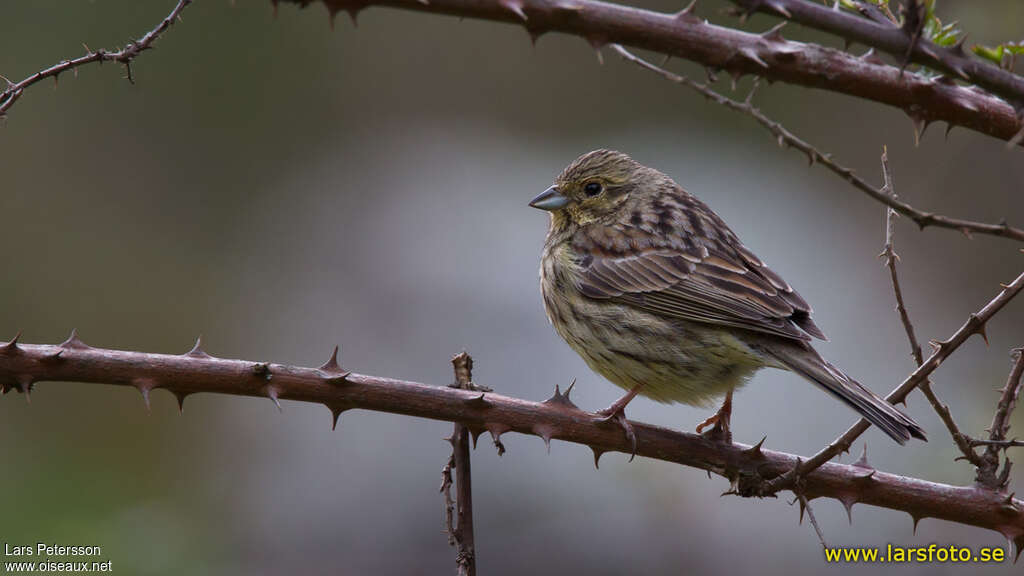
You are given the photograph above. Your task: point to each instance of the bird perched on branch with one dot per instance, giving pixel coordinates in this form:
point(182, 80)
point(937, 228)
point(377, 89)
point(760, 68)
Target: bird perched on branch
point(659, 296)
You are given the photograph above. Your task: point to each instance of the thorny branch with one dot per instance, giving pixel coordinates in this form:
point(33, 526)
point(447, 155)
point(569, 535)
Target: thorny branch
point(899, 41)
point(986, 464)
point(685, 35)
point(988, 470)
point(747, 467)
point(460, 534)
point(787, 138)
point(889, 253)
point(975, 324)
point(124, 56)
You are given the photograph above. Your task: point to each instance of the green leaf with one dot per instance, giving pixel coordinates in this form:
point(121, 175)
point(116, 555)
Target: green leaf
point(995, 54)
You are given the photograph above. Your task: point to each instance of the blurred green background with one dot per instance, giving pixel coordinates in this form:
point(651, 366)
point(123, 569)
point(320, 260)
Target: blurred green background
point(280, 187)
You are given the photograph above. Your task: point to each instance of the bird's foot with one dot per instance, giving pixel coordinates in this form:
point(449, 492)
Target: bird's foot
point(616, 414)
point(719, 422)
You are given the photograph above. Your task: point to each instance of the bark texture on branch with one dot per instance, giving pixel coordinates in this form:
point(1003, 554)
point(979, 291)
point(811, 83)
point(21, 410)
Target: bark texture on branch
point(746, 467)
point(689, 37)
point(897, 41)
point(460, 528)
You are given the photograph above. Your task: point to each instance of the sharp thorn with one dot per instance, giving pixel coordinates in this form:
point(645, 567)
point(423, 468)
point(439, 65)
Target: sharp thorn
point(477, 401)
point(73, 342)
point(848, 503)
point(545, 432)
point(755, 450)
point(779, 8)
point(197, 349)
point(475, 433)
point(12, 345)
point(515, 7)
point(862, 462)
point(180, 395)
point(562, 400)
point(336, 411)
point(872, 58)
point(753, 56)
point(272, 394)
point(338, 379)
point(688, 14)
point(144, 386)
point(25, 387)
point(774, 34)
point(597, 457)
point(332, 364)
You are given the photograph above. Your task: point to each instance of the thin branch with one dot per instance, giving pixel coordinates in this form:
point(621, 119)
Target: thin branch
point(1015, 443)
point(125, 56)
point(988, 472)
point(896, 41)
point(785, 137)
point(805, 505)
point(1008, 401)
point(686, 36)
point(461, 535)
point(889, 253)
point(746, 467)
point(975, 324)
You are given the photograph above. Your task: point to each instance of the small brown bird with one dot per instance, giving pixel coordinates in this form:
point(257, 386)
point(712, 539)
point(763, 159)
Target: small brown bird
point(659, 296)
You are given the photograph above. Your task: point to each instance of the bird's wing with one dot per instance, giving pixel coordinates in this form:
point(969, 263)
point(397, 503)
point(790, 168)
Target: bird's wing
point(716, 281)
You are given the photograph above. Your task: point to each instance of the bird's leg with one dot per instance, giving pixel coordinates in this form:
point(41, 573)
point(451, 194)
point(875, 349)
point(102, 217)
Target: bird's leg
point(720, 431)
point(617, 413)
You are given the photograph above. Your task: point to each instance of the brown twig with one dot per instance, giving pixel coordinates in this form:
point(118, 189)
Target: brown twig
point(21, 365)
point(903, 43)
point(806, 506)
point(1008, 401)
point(461, 534)
point(975, 324)
point(889, 254)
point(684, 35)
point(1000, 443)
point(988, 470)
point(785, 137)
point(124, 56)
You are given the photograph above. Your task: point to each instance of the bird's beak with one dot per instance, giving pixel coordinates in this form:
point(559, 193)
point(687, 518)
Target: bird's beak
point(550, 200)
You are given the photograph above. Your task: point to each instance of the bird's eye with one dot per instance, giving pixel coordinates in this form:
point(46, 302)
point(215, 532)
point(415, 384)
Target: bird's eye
point(592, 188)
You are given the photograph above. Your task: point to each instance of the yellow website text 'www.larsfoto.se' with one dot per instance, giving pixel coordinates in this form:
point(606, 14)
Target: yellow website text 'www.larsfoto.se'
point(914, 554)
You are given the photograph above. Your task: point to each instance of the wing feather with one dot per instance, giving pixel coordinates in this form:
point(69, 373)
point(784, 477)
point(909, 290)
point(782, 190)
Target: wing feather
point(710, 281)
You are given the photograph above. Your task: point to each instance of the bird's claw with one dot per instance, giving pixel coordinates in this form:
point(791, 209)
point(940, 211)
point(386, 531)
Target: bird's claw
point(617, 415)
point(720, 431)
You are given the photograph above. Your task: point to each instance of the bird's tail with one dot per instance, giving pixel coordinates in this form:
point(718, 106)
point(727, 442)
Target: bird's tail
point(809, 364)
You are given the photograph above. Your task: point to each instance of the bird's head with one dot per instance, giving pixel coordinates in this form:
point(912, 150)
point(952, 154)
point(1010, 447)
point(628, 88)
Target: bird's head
point(593, 188)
